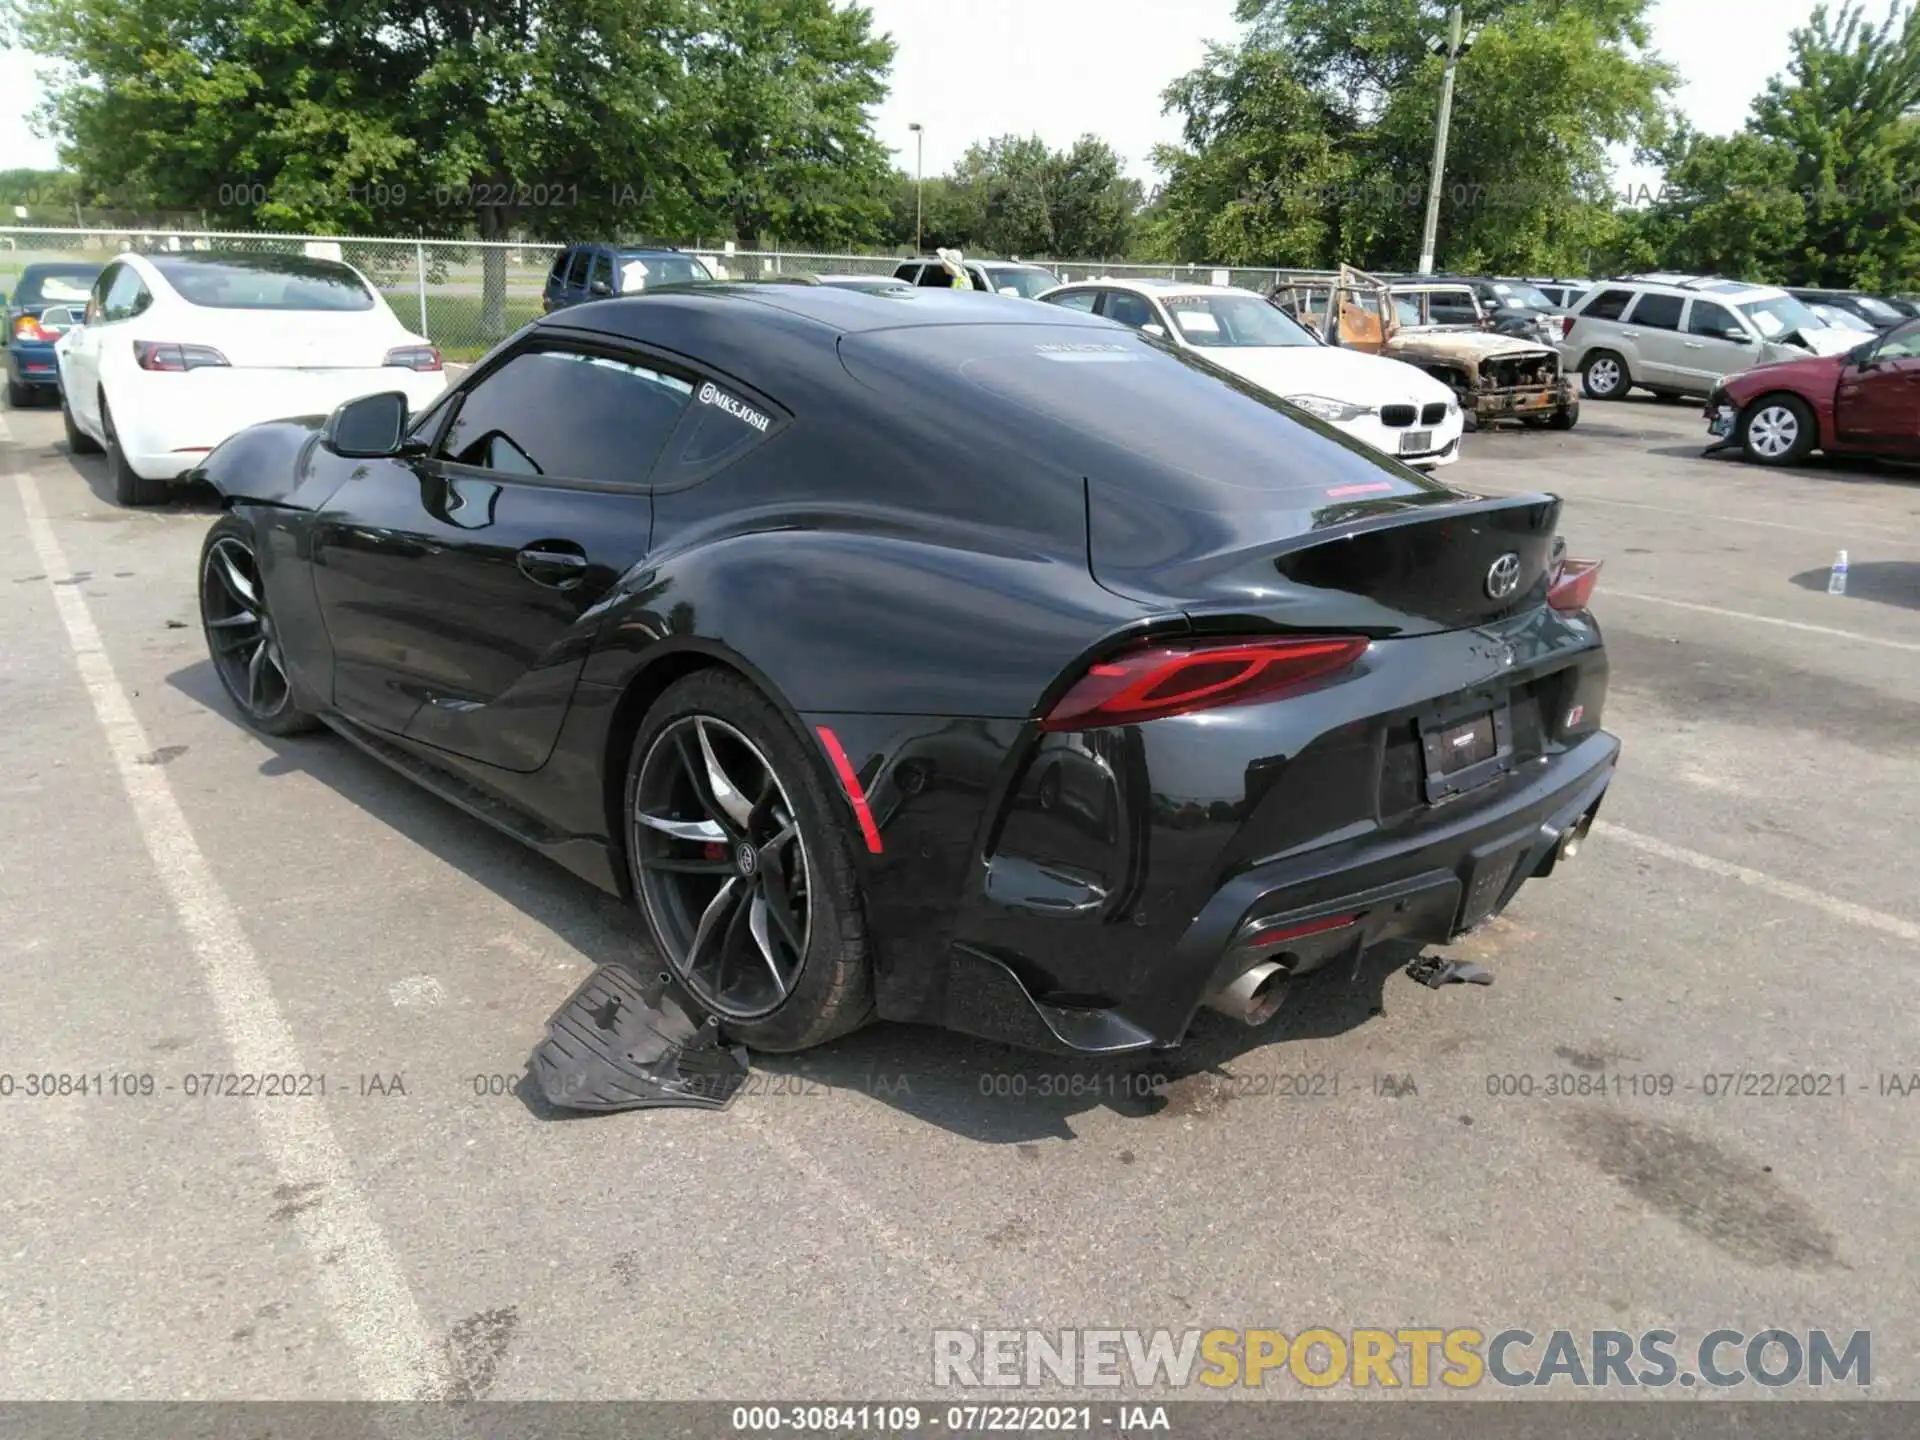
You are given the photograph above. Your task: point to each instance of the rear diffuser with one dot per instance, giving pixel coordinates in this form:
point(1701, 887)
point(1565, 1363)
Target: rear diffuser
point(621, 1043)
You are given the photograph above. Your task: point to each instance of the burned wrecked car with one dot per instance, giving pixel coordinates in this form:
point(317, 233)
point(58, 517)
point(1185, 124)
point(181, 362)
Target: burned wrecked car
point(1437, 326)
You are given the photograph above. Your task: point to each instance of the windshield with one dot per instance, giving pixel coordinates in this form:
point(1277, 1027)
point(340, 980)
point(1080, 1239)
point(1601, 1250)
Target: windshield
point(264, 282)
point(1774, 318)
point(1842, 319)
point(1027, 283)
point(638, 272)
point(55, 284)
point(1513, 293)
point(1878, 309)
point(1233, 322)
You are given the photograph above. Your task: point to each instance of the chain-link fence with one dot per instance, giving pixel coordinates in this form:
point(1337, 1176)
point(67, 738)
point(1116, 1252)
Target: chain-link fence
point(465, 294)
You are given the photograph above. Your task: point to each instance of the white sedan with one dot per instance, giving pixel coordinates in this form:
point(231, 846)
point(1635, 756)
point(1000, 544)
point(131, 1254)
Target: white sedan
point(178, 350)
point(1390, 405)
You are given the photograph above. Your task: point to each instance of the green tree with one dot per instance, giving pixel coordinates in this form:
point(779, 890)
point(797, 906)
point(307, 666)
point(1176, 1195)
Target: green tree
point(1091, 204)
point(1011, 180)
point(554, 118)
point(1326, 113)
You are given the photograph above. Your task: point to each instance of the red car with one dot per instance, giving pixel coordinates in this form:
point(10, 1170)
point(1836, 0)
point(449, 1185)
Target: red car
point(1864, 402)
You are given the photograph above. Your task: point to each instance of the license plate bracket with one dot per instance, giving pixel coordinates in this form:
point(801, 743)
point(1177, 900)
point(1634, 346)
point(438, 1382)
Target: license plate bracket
point(1416, 442)
point(1466, 746)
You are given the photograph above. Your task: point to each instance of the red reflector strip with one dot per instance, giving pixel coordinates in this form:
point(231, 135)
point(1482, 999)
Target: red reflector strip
point(1298, 932)
point(1373, 487)
point(843, 767)
point(1573, 587)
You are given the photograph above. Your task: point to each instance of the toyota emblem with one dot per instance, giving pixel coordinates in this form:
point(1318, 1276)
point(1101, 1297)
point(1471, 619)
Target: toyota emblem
point(1503, 576)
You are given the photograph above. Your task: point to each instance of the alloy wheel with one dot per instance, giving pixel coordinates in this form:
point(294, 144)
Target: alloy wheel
point(1604, 376)
point(240, 635)
point(1774, 431)
point(721, 865)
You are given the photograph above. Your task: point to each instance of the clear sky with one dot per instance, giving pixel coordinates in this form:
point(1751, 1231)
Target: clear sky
point(1061, 68)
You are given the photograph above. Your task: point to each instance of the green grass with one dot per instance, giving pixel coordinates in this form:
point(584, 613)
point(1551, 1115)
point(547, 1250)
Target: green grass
point(453, 321)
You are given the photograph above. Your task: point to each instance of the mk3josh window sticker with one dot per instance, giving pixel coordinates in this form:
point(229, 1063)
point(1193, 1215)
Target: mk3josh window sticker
point(711, 394)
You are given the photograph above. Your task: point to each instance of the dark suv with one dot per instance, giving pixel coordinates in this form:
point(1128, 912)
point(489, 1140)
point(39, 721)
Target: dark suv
point(1512, 307)
point(1883, 315)
point(594, 272)
point(1002, 277)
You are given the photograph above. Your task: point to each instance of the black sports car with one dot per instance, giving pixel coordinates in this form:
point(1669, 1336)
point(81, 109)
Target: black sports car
point(946, 658)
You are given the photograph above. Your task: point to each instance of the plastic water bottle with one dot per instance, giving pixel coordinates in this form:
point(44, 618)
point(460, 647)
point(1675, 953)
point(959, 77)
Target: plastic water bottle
point(1837, 577)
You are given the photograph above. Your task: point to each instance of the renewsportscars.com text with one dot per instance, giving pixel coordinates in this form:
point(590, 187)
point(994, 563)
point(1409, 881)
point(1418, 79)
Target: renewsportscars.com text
point(1458, 1359)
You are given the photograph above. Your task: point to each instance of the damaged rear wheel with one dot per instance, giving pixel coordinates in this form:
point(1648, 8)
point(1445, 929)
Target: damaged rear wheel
point(742, 868)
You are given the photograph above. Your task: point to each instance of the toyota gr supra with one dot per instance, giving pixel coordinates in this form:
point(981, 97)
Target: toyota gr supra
point(941, 658)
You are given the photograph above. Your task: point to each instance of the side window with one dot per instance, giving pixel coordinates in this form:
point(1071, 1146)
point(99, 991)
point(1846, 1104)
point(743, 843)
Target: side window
point(1607, 305)
point(602, 273)
point(577, 268)
point(1901, 344)
point(909, 272)
point(1078, 300)
point(1657, 312)
point(982, 281)
point(97, 300)
point(1707, 318)
point(568, 416)
point(719, 427)
point(558, 274)
point(1128, 309)
point(935, 277)
point(126, 297)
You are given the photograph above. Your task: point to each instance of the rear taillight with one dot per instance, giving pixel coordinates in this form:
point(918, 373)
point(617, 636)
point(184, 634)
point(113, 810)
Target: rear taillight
point(165, 355)
point(1573, 582)
point(27, 327)
point(414, 357)
point(1566, 325)
point(1173, 679)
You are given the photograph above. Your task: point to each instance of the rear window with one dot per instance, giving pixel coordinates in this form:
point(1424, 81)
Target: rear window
point(56, 285)
point(1149, 416)
point(264, 282)
point(1607, 305)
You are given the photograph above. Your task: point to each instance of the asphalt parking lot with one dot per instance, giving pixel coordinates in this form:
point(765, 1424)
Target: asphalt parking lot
point(183, 897)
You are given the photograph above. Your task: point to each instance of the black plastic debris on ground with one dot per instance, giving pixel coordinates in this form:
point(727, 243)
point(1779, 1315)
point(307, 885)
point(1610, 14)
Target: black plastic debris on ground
point(624, 1043)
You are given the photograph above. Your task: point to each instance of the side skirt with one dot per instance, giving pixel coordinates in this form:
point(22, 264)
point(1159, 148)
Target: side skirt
point(586, 857)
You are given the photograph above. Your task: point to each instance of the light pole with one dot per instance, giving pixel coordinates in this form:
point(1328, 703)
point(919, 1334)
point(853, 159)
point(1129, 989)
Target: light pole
point(919, 153)
point(1452, 50)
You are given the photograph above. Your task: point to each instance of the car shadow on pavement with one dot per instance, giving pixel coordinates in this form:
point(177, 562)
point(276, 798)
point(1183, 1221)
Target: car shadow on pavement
point(181, 499)
point(1885, 582)
point(999, 1095)
point(978, 1089)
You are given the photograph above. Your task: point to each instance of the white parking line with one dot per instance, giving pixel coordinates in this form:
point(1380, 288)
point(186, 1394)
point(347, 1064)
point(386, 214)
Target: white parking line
point(1854, 635)
point(361, 1282)
point(1784, 889)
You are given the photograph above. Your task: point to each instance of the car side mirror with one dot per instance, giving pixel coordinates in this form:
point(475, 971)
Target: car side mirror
point(369, 428)
point(1156, 330)
point(599, 287)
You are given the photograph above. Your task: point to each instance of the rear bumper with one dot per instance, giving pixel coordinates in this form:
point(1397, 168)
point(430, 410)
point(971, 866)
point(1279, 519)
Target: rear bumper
point(167, 423)
point(32, 364)
point(1425, 888)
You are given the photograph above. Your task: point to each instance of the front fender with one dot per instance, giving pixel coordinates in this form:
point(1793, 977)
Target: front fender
point(266, 464)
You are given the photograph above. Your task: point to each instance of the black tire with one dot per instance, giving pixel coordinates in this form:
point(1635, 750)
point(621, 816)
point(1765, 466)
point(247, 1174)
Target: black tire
point(1777, 430)
point(78, 441)
point(830, 992)
point(1614, 380)
point(246, 657)
point(19, 396)
point(129, 488)
point(1565, 418)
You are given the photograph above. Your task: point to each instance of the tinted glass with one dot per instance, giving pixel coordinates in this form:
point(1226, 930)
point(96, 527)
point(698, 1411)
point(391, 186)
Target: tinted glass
point(1128, 309)
point(567, 416)
point(1900, 344)
point(1452, 307)
point(1233, 322)
point(1707, 318)
point(1876, 310)
point(577, 269)
point(264, 282)
point(601, 273)
point(126, 296)
point(1026, 283)
point(559, 271)
point(54, 285)
point(1513, 292)
point(1607, 305)
point(640, 272)
point(1658, 312)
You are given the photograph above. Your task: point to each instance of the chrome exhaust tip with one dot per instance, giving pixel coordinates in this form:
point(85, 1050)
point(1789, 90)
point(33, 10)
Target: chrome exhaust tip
point(1256, 995)
point(1571, 841)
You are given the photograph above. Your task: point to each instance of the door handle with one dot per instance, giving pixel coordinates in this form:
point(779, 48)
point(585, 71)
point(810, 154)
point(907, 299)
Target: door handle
point(1629, 334)
point(1695, 345)
point(555, 564)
